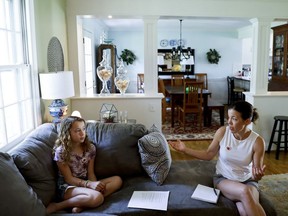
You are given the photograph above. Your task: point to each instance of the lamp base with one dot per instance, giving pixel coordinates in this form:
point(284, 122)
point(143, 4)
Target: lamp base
point(57, 110)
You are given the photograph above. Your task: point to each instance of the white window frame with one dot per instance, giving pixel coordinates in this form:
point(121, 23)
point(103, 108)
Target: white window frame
point(30, 115)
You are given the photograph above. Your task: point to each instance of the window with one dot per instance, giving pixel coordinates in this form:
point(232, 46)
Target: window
point(17, 109)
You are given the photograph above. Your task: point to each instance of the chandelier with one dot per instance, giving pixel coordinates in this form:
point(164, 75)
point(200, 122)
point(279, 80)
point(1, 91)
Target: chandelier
point(180, 53)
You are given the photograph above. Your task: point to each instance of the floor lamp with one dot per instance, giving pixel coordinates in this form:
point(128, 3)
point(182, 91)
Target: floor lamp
point(57, 86)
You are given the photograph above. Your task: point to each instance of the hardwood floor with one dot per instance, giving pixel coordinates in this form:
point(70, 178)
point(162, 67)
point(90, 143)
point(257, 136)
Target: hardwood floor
point(273, 166)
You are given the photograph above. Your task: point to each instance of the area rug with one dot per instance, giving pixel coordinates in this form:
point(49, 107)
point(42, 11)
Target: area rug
point(276, 188)
point(192, 131)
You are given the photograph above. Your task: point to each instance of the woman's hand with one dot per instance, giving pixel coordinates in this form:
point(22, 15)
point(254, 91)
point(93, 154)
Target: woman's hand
point(177, 145)
point(258, 172)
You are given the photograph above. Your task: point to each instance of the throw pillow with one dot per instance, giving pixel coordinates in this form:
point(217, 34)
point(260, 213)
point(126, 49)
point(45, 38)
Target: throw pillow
point(17, 198)
point(116, 148)
point(155, 156)
point(33, 158)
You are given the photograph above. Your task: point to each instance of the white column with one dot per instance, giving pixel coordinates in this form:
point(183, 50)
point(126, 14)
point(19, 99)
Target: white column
point(150, 55)
point(260, 59)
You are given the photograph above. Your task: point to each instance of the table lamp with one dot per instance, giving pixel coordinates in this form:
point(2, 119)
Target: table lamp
point(57, 86)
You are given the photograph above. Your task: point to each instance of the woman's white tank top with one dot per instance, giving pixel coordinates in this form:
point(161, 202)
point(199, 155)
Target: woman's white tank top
point(235, 156)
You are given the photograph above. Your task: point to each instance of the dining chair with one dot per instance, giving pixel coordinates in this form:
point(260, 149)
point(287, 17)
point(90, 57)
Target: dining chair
point(166, 102)
point(192, 103)
point(234, 93)
point(202, 77)
point(177, 80)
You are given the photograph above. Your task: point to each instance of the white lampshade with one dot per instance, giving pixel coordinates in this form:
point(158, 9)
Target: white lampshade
point(57, 85)
point(189, 61)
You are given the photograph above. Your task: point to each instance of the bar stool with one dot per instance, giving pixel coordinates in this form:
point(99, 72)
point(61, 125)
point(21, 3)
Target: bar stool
point(282, 131)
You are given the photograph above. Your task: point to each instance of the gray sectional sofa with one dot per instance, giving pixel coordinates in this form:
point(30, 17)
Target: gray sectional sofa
point(140, 156)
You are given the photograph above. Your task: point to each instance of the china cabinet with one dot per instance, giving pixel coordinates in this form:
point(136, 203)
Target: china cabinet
point(279, 59)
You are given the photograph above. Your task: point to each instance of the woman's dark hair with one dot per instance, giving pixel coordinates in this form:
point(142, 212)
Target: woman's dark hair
point(246, 110)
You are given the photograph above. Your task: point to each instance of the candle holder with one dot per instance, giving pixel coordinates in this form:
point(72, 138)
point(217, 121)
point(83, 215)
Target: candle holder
point(121, 81)
point(104, 72)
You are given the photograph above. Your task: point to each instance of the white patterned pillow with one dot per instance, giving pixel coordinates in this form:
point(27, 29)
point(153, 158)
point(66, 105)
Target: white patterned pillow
point(155, 156)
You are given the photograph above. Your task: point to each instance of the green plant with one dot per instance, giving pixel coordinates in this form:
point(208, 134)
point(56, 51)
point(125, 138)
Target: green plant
point(109, 119)
point(213, 56)
point(128, 56)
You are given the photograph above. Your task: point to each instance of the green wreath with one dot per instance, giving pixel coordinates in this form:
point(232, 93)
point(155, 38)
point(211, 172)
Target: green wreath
point(213, 56)
point(128, 56)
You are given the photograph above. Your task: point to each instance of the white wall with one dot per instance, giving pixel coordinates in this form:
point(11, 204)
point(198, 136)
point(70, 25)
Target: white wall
point(226, 43)
point(132, 40)
point(145, 109)
point(267, 111)
point(247, 51)
point(263, 12)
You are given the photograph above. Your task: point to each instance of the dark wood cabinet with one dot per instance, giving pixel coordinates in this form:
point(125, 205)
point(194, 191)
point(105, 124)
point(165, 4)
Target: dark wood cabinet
point(110, 51)
point(166, 64)
point(279, 59)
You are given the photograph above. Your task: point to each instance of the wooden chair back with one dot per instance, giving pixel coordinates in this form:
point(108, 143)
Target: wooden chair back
point(192, 102)
point(234, 93)
point(193, 99)
point(165, 101)
point(177, 80)
point(202, 77)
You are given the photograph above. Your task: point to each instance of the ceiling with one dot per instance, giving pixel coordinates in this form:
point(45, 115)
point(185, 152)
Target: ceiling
point(211, 23)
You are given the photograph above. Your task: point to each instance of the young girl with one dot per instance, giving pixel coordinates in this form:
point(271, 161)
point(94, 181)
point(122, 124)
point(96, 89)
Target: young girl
point(77, 185)
point(240, 158)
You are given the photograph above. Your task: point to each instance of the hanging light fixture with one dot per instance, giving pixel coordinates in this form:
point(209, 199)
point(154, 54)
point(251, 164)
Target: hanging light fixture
point(179, 53)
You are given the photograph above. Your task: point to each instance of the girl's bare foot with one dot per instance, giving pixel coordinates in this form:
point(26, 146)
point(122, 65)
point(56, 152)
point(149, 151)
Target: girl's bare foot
point(51, 208)
point(77, 210)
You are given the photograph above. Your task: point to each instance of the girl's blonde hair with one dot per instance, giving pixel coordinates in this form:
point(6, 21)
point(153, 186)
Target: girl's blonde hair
point(64, 138)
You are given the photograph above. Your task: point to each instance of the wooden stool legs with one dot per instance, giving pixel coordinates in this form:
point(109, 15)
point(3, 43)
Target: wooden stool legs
point(282, 131)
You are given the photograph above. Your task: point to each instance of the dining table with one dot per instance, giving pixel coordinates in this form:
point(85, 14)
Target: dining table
point(176, 93)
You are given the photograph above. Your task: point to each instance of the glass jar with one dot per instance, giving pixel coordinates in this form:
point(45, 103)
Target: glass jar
point(104, 72)
point(122, 80)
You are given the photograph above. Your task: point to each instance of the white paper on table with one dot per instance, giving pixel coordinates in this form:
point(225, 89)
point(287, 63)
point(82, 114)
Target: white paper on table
point(157, 200)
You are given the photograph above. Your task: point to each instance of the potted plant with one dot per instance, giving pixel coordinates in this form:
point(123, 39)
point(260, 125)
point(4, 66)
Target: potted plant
point(128, 56)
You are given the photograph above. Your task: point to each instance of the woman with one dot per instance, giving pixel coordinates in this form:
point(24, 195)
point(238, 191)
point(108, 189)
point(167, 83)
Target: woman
point(78, 188)
point(240, 158)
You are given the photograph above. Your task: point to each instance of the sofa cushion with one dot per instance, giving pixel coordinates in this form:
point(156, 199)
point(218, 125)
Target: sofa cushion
point(116, 148)
point(33, 158)
point(155, 156)
point(17, 198)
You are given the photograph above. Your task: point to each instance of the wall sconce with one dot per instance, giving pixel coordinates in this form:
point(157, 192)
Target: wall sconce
point(57, 86)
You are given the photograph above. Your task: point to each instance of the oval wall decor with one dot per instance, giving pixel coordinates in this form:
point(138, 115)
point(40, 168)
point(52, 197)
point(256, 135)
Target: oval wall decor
point(55, 58)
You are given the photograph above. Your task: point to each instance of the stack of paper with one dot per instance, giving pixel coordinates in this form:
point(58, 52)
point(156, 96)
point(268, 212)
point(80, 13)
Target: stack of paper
point(205, 193)
point(157, 200)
